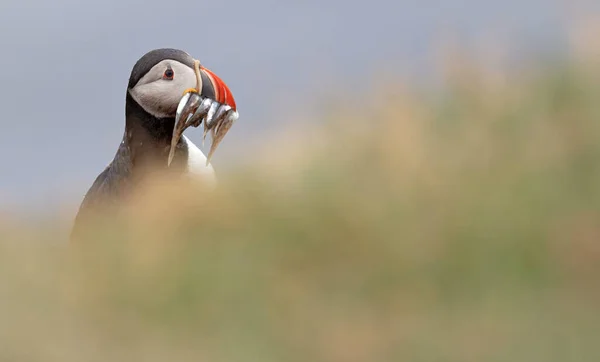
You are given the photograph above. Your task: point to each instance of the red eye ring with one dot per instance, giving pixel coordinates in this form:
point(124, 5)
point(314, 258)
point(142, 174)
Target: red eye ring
point(169, 74)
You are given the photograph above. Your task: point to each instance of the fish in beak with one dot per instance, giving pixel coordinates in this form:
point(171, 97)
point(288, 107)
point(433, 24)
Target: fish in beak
point(210, 103)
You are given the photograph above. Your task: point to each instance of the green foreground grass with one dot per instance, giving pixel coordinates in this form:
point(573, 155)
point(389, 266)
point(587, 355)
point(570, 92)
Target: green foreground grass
point(461, 229)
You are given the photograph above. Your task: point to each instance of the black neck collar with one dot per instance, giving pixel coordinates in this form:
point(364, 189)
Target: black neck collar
point(148, 138)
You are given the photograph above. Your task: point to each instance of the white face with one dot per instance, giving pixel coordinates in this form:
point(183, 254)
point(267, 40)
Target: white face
point(159, 91)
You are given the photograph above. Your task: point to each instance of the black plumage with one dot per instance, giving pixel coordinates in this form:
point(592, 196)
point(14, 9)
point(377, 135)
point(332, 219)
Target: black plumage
point(144, 147)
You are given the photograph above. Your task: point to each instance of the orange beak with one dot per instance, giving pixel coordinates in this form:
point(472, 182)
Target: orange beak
point(212, 105)
point(222, 93)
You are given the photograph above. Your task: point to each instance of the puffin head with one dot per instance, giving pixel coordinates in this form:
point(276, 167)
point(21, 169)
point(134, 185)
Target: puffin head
point(169, 91)
point(160, 78)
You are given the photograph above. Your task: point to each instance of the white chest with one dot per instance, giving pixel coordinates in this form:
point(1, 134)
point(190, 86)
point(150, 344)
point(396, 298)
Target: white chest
point(196, 164)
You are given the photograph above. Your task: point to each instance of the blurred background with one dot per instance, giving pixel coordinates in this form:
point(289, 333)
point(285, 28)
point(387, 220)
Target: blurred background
point(282, 59)
point(408, 181)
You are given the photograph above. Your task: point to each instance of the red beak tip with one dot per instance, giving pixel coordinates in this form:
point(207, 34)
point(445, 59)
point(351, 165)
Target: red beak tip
point(222, 93)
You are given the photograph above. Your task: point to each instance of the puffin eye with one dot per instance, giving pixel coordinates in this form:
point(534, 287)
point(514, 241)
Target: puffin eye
point(168, 74)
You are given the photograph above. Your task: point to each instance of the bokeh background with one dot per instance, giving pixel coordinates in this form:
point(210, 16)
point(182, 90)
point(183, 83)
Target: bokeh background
point(408, 181)
point(282, 59)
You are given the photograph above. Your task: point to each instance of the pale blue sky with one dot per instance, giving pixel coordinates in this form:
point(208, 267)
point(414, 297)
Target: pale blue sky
point(66, 63)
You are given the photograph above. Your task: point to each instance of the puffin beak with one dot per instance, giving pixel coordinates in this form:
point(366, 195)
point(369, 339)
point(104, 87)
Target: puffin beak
point(210, 103)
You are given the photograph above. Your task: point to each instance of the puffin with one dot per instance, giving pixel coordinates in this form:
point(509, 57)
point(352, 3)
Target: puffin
point(168, 91)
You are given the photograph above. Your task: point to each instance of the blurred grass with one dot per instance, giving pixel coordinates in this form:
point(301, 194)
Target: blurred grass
point(461, 226)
